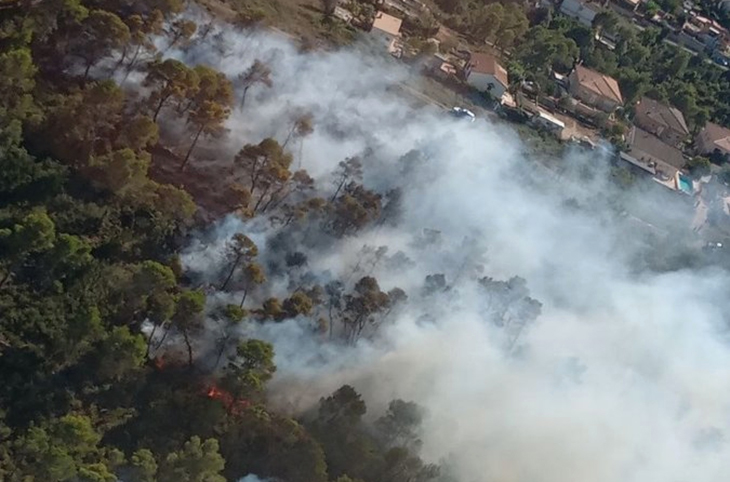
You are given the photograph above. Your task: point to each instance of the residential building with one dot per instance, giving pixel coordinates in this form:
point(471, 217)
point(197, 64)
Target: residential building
point(662, 120)
point(595, 89)
point(385, 29)
point(343, 14)
point(545, 121)
point(714, 140)
point(707, 31)
point(484, 73)
point(724, 5)
point(632, 5)
point(583, 11)
point(409, 8)
point(649, 153)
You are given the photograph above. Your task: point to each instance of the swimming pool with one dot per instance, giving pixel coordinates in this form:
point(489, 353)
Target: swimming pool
point(685, 184)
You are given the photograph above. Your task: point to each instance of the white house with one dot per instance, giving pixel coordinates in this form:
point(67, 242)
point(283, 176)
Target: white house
point(484, 73)
point(385, 29)
point(543, 120)
point(581, 10)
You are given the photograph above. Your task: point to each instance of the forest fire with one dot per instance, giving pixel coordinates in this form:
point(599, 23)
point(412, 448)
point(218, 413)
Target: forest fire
point(229, 401)
point(160, 362)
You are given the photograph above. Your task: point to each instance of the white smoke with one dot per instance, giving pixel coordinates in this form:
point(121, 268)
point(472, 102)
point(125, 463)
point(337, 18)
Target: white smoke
point(251, 478)
point(624, 376)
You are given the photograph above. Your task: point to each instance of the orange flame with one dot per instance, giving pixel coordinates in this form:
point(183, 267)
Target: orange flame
point(159, 363)
point(232, 405)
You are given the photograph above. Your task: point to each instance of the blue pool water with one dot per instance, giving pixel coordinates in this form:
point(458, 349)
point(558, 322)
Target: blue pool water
point(685, 184)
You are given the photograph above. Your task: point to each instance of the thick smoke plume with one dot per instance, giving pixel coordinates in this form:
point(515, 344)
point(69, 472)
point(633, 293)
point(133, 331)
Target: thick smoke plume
point(623, 376)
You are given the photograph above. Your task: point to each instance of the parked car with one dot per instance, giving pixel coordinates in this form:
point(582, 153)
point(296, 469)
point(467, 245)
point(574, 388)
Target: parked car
point(462, 113)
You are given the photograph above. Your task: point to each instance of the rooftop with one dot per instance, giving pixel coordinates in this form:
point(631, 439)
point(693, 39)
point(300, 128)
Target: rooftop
point(484, 63)
point(598, 83)
point(662, 114)
point(550, 118)
point(343, 14)
point(387, 23)
point(589, 4)
point(718, 135)
point(643, 145)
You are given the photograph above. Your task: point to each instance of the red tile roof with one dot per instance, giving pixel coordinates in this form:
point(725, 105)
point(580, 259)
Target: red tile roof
point(598, 83)
point(717, 135)
point(662, 114)
point(484, 63)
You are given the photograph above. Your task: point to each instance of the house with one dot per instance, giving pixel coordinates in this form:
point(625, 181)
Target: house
point(545, 121)
point(662, 120)
point(485, 74)
point(631, 5)
point(343, 14)
point(385, 29)
point(595, 89)
point(714, 140)
point(649, 153)
point(583, 11)
point(706, 30)
point(441, 66)
point(409, 8)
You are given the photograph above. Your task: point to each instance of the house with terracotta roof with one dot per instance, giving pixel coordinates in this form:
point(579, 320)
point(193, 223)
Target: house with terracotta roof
point(595, 89)
point(714, 140)
point(385, 29)
point(662, 120)
point(651, 154)
point(484, 73)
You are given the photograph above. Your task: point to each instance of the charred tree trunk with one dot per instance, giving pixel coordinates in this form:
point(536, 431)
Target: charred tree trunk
point(122, 58)
point(245, 293)
point(162, 340)
point(131, 64)
point(339, 187)
point(243, 96)
point(159, 108)
point(86, 71)
point(189, 347)
point(221, 350)
point(149, 340)
point(261, 199)
point(288, 137)
point(230, 274)
point(192, 146)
